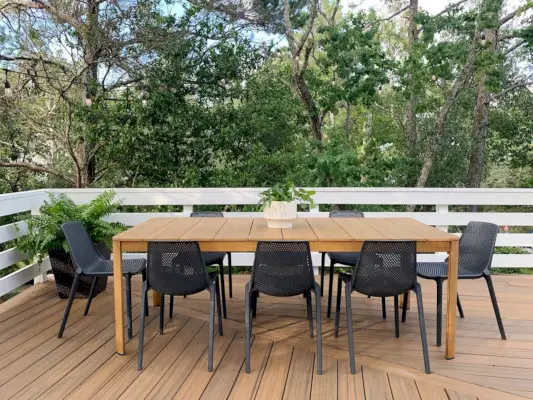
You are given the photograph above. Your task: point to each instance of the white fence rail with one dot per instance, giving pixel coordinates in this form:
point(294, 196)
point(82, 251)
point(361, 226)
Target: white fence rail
point(441, 199)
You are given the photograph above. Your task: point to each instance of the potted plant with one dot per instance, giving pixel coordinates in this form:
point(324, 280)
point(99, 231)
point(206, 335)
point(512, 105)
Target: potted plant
point(280, 204)
point(45, 236)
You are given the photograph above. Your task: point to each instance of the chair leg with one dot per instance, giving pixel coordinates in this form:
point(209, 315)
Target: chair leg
point(309, 304)
point(90, 298)
point(73, 290)
point(383, 308)
point(171, 307)
point(488, 278)
point(350, 328)
point(230, 277)
point(439, 312)
point(144, 306)
point(460, 307)
point(219, 308)
point(404, 307)
point(330, 287)
point(128, 306)
point(255, 295)
point(323, 270)
point(223, 290)
point(162, 314)
point(318, 328)
point(248, 325)
point(338, 307)
point(396, 318)
point(421, 320)
point(146, 294)
point(211, 328)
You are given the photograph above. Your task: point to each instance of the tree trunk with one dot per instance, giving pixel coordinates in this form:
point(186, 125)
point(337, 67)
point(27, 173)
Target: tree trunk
point(479, 137)
point(91, 58)
point(481, 121)
point(440, 123)
point(315, 120)
point(412, 34)
point(348, 122)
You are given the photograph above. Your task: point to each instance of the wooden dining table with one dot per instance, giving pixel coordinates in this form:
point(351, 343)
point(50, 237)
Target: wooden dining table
point(323, 234)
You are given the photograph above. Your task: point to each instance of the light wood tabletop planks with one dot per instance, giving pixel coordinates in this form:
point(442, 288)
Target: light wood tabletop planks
point(304, 229)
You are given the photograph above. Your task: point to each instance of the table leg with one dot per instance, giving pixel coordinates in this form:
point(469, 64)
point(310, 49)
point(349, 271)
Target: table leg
point(156, 298)
point(408, 295)
point(453, 266)
point(119, 298)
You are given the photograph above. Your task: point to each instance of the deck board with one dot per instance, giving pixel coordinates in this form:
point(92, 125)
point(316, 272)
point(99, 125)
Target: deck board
point(35, 364)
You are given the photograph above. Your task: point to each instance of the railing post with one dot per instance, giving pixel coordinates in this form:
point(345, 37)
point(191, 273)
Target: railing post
point(442, 208)
point(188, 209)
point(44, 266)
point(316, 209)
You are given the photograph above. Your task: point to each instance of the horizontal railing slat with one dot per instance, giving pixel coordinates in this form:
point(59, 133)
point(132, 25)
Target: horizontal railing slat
point(244, 196)
point(10, 232)
point(10, 257)
point(430, 218)
point(15, 203)
point(499, 260)
point(18, 278)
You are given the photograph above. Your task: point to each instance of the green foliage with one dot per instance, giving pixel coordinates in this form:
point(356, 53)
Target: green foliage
point(352, 63)
point(44, 230)
point(286, 192)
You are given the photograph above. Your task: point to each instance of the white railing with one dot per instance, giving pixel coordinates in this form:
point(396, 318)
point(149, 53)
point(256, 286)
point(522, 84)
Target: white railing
point(441, 199)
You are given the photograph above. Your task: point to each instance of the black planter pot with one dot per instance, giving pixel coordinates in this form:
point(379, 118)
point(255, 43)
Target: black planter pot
point(64, 272)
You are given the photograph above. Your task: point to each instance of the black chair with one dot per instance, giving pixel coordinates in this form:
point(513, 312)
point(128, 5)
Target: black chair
point(282, 269)
point(384, 269)
point(476, 247)
point(343, 258)
point(178, 269)
point(89, 262)
point(213, 258)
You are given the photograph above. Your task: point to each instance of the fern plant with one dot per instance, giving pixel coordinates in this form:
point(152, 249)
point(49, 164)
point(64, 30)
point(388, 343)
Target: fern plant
point(44, 230)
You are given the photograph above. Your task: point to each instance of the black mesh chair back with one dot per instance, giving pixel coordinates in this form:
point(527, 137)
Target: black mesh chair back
point(81, 247)
point(176, 268)
point(282, 268)
point(385, 268)
point(346, 214)
point(476, 247)
point(210, 214)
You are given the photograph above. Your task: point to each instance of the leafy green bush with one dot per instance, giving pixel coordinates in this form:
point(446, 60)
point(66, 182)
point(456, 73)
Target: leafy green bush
point(44, 230)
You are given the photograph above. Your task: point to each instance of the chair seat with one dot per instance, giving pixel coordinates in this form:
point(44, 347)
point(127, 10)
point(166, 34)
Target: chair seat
point(435, 270)
point(213, 257)
point(105, 268)
point(345, 277)
point(213, 276)
point(344, 258)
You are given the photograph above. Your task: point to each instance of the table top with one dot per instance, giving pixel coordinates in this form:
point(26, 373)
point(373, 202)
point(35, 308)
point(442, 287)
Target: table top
point(307, 229)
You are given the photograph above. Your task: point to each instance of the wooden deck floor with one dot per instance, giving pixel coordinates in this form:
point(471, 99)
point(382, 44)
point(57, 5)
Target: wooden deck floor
point(35, 364)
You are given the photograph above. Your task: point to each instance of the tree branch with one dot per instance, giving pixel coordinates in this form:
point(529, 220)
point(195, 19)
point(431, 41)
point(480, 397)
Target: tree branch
point(34, 168)
point(511, 88)
point(515, 46)
point(41, 5)
point(311, 23)
point(447, 9)
point(513, 14)
point(395, 14)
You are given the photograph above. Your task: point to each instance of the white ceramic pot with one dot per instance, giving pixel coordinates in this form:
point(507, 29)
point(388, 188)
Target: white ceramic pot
point(280, 214)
